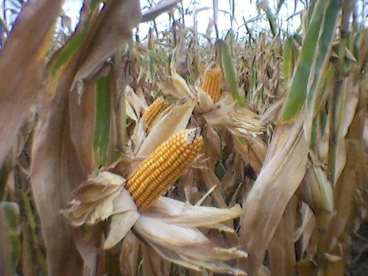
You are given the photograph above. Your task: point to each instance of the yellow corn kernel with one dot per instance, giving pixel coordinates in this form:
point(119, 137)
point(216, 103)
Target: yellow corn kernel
point(158, 105)
point(212, 82)
point(164, 166)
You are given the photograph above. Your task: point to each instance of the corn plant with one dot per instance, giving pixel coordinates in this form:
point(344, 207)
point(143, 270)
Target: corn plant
point(178, 152)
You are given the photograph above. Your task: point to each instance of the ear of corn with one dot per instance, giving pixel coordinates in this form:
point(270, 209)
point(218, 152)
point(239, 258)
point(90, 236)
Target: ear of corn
point(164, 166)
point(212, 82)
point(158, 105)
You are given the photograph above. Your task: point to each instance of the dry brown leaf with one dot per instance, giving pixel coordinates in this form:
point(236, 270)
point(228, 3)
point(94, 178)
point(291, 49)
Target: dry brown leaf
point(88, 244)
point(345, 190)
point(135, 104)
point(347, 105)
point(179, 213)
point(59, 159)
point(55, 173)
point(179, 87)
point(253, 150)
point(239, 121)
point(186, 246)
point(173, 121)
point(306, 268)
point(282, 248)
point(153, 264)
point(210, 179)
point(23, 67)
point(129, 255)
point(82, 124)
point(318, 190)
point(212, 146)
point(306, 231)
point(278, 180)
point(96, 199)
point(272, 113)
point(120, 226)
point(112, 30)
point(124, 216)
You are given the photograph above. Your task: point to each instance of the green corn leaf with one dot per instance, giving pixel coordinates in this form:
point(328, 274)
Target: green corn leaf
point(271, 21)
point(290, 52)
point(323, 48)
point(230, 74)
point(74, 43)
point(263, 5)
point(327, 81)
point(67, 52)
point(103, 111)
point(316, 39)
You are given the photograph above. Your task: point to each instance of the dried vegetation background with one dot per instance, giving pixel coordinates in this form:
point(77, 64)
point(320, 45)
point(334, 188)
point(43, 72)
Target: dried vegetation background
point(280, 187)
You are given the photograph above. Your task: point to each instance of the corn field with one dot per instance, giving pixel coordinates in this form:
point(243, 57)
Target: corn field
point(130, 147)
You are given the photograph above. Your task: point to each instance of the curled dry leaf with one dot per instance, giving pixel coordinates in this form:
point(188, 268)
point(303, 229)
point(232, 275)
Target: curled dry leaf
point(169, 227)
point(135, 104)
point(23, 67)
point(239, 121)
point(124, 216)
point(116, 19)
point(186, 246)
point(205, 102)
point(96, 199)
point(175, 212)
point(252, 150)
point(173, 121)
point(180, 87)
point(58, 166)
point(55, 172)
point(274, 187)
point(318, 189)
point(211, 180)
point(58, 159)
point(213, 146)
point(305, 230)
point(351, 180)
point(120, 226)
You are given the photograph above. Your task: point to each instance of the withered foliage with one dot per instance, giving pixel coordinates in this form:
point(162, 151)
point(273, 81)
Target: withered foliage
point(181, 153)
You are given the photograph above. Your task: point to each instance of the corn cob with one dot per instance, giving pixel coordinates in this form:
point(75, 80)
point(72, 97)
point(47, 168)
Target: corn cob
point(158, 105)
point(211, 83)
point(164, 166)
